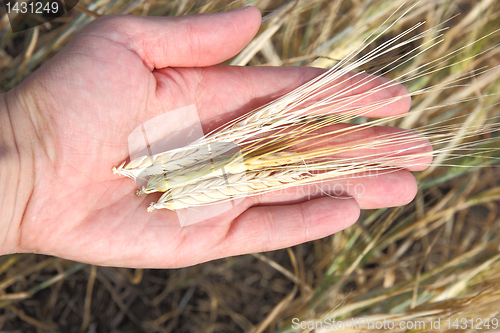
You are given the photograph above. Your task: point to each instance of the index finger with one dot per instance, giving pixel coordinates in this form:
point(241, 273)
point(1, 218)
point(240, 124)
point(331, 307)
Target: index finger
point(227, 92)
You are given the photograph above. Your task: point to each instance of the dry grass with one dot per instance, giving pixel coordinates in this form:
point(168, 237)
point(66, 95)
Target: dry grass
point(435, 258)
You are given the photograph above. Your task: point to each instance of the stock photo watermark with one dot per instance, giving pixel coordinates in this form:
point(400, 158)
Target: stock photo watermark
point(27, 14)
point(218, 167)
point(329, 324)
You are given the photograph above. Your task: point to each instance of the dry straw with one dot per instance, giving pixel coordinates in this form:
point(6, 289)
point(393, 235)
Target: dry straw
point(287, 142)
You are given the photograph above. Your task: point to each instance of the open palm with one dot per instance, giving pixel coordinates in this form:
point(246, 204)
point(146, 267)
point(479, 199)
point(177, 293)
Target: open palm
point(122, 71)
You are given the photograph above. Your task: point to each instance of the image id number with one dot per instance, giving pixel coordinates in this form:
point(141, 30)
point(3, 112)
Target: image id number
point(50, 7)
point(477, 324)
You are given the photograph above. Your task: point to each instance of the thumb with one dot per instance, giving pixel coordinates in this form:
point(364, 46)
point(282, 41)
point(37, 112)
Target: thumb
point(184, 41)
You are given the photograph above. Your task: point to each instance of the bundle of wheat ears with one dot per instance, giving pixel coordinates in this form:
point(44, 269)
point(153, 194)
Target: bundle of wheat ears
point(317, 131)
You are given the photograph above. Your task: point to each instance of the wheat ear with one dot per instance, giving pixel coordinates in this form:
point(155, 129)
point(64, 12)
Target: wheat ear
point(281, 145)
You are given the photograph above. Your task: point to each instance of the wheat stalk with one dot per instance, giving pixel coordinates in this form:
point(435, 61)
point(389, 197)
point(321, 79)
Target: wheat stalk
point(279, 145)
point(239, 185)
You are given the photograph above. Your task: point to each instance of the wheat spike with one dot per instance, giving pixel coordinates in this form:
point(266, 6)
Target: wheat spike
point(281, 144)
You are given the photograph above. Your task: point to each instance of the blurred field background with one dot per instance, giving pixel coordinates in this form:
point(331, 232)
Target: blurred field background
point(436, 258)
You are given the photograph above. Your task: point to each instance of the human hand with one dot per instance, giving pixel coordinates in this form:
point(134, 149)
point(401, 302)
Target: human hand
point(71, 120)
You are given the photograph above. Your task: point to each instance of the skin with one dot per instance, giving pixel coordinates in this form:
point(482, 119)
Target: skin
point(67, 125)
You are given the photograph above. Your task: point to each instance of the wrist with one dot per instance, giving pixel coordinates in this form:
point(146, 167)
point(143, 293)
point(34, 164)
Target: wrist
point(16, 170)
